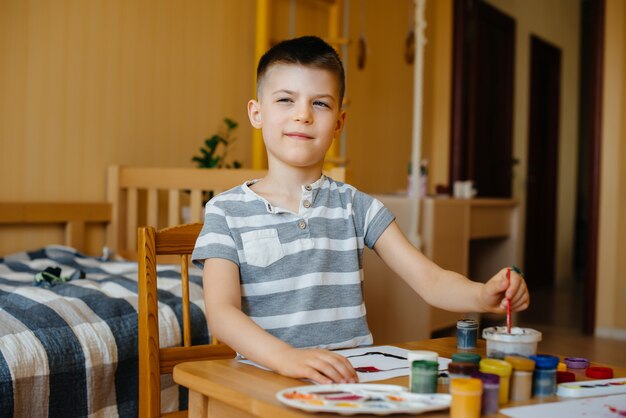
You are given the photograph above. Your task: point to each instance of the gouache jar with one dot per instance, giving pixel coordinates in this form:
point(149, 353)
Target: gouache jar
point(422, 355)
point(521, 377)
point(598, 372)
point(502, 369)
point(467, 333)
point(423, 377)
point(466, 357)
point(519, 342)
point(565, 377)
point(466, 395)
point(461, 370)
point(544, 378)
point(491, 392)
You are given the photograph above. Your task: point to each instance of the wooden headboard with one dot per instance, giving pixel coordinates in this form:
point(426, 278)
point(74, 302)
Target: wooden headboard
point(163, 197)
point(72, 217)
point(160, 197)
point(136, 196)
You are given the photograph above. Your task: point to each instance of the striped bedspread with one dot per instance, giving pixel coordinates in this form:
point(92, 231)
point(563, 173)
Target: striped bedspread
point(70, 350)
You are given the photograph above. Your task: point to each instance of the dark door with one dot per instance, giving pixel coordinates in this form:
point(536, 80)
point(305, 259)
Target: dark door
point(482, 116)
point(543, 137)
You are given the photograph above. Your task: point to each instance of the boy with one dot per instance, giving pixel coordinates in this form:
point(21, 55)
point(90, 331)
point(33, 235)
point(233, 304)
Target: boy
point(282, 255)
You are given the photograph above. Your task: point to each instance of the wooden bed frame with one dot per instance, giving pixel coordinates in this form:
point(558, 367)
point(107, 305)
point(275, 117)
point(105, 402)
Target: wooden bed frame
point(136, 196)
point(72, 217)
point(159, 196)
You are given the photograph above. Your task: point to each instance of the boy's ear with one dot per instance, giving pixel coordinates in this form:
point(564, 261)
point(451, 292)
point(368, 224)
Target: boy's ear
point(341, 120)
point(254, 113)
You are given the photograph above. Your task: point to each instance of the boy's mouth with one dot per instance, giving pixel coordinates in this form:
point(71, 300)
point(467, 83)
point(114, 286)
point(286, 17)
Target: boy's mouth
point(298, 135)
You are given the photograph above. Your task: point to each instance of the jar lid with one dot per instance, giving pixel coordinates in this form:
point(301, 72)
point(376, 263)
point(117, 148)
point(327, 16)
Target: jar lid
point(517, 335)
point(469, 386)
point(565, 377)
point(545, 361)
point(597, 372)
point(425, 365)
point(422, 355)
point(576, 362)
point(561, 367)
point(487, 378)
point(495, 366)
point(456, 367)
point(466, 357)
point(520, 363)
point(467, 323)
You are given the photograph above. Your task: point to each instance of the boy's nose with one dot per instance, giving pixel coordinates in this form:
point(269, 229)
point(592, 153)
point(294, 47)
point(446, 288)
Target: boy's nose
point(303, 115)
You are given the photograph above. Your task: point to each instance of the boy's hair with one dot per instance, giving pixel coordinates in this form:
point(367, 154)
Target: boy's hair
point(306, 50)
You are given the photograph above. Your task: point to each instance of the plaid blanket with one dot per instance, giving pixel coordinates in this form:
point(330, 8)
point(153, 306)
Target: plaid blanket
point(70, 350)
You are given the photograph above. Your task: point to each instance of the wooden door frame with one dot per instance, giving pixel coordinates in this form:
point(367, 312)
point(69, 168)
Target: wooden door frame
point(595, 147)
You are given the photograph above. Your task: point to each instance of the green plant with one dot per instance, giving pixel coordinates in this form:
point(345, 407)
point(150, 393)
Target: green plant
point(213, 153)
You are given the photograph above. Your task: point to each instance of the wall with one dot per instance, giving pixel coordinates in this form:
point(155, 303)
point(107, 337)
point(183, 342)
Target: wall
point(86, 84)
point(611, 282)
point(557, 22)
point(437, 91)
point(379, 113)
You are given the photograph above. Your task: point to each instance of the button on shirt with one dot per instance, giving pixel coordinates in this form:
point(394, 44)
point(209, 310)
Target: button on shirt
point(300, 273)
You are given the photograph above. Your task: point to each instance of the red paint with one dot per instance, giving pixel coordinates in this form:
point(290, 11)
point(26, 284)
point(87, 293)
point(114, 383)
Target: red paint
point(620, 412)
point(367, 369)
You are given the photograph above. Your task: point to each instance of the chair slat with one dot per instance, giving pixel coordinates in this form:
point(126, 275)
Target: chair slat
point(195, 206)
point(153, 207)
point(184, 274)
point(131, 217)
point(173, 207)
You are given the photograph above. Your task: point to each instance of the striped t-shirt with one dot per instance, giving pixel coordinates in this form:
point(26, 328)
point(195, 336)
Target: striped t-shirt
point(300, 273)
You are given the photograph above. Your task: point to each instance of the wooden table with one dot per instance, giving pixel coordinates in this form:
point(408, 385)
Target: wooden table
point(228, 388)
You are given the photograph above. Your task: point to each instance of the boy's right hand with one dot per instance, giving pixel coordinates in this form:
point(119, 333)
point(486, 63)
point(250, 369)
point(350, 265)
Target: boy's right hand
point(321, 366)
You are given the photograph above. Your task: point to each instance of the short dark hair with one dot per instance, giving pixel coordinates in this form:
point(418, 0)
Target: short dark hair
point(305, 50)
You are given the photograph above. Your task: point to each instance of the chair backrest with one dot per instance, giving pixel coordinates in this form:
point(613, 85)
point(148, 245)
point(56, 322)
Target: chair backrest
point(154, 360)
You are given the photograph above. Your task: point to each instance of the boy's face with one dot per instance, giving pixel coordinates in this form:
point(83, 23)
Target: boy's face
point(299, 112)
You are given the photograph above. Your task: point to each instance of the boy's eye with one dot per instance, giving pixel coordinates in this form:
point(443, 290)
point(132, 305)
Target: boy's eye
point(284, 100)
point(321, 104)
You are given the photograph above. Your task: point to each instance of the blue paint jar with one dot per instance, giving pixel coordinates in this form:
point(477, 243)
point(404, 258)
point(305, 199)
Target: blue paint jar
point(544, 377)
point(467, 333)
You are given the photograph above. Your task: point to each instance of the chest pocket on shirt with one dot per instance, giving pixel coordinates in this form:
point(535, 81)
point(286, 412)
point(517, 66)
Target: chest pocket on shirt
point(262, 247)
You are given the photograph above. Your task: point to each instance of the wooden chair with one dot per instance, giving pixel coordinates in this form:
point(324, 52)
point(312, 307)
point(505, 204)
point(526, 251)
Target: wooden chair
point(154, 360)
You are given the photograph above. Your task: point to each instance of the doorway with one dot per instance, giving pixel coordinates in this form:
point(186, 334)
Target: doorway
point(543, 149)
point(482, 116)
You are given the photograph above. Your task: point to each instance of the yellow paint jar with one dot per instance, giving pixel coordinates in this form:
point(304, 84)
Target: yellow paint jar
point(466, 394)
point(502, 369)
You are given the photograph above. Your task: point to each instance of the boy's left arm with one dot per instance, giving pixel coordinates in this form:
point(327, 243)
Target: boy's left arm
point(446, 289)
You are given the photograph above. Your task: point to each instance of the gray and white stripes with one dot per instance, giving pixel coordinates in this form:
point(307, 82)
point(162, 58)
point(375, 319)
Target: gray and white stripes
point(300, 273)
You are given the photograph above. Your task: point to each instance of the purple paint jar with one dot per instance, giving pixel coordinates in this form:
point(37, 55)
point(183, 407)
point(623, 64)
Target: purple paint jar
point(491, 392)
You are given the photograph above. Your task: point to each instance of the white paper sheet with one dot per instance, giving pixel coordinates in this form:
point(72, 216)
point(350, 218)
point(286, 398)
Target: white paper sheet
point(599, 407)
point(388, 365)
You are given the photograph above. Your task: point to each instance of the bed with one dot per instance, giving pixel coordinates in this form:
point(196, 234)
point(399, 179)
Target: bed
point(68, 345)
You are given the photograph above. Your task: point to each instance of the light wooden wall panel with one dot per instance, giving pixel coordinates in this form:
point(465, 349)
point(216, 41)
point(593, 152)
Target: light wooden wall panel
point(86, 84)
point(379, 119)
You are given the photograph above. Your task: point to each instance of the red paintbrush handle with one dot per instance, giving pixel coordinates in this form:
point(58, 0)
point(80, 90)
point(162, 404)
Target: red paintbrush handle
point(508, 302)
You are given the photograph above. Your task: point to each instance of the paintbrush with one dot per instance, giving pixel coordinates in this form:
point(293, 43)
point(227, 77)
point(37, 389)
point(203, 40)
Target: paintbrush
point(508, 302)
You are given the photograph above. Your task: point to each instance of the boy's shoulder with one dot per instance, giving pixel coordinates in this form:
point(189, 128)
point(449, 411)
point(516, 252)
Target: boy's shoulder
point(233, 195)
